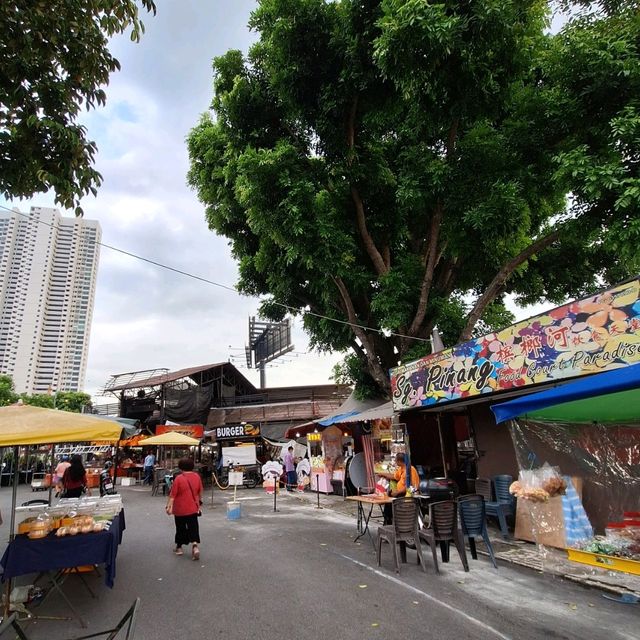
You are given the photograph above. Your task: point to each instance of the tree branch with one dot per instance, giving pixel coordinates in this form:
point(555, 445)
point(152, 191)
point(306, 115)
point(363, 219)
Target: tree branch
point(381, 264)
point(351, 128)
point(375, 367)
point(451, 138)
point(496, 285)
point(386, 256)
point(359, 351)
point(377, 259)
point(432, 255)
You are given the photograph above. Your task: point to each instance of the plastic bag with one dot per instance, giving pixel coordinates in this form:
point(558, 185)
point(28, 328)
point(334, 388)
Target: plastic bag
point(538, 485)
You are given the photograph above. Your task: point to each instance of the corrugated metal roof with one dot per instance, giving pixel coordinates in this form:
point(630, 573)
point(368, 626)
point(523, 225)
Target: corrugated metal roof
point(172, 376)
point(375, 413)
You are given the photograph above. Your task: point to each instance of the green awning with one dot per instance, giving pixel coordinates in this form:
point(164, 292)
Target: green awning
point(612, 408)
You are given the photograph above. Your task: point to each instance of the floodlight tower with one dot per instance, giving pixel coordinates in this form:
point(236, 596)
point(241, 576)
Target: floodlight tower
point(267, 341)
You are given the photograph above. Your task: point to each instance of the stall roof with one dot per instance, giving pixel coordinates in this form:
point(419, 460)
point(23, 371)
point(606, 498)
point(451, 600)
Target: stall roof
point(384, 410)
point(26, 424)
point(171, 439)
point(129, 425)
point(349, 408)
point(172, 376)
point(610, 397)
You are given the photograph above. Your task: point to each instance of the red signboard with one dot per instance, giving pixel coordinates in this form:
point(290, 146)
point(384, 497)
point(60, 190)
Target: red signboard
point(193, 430)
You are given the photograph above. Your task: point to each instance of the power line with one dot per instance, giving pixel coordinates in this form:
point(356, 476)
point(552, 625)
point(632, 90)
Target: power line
point(293, 310)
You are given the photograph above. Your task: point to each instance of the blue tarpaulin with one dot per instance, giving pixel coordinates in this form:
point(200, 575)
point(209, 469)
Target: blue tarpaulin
point(337, 418)
point(619, 381)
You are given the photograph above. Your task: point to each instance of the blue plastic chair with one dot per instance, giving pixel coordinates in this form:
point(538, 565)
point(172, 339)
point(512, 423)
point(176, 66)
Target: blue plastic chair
point(473, 520)
point(504, 504)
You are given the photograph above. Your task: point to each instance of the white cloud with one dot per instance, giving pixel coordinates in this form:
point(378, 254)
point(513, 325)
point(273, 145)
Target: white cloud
point(147, 317)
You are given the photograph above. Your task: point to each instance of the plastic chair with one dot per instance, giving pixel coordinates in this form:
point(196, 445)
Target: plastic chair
point(443, 528)
point(403, 531)
point(503, 505)
point(158, 482)
point(473, 520)
point(483, 488)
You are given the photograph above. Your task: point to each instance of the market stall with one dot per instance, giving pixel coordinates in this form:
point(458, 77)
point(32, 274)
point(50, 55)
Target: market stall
point(24, 425)
point(578, 449)
point(327, 451)
point(171, 440)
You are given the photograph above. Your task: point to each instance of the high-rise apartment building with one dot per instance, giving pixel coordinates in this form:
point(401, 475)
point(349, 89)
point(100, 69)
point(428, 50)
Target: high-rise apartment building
point(48, 270)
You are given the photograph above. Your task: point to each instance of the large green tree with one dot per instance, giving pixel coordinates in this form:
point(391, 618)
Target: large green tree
point(73, 401)
point(401, 164)
point(54, 61)
point(7, 391)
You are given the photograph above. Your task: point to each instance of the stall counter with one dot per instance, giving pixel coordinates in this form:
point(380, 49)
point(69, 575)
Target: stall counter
point(321, 481)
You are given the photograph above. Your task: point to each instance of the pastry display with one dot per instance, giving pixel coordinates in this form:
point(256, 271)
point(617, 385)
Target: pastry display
point(68, 517)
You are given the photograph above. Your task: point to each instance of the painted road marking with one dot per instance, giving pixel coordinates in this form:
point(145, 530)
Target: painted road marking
point(408, 587)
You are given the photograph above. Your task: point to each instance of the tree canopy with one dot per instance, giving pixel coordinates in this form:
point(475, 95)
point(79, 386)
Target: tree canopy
point(7, 391)
point(73, 401)
point(400, 164)
point(54, 60)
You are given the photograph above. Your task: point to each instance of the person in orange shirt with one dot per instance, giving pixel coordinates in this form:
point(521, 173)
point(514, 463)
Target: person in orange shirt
point(400, 476)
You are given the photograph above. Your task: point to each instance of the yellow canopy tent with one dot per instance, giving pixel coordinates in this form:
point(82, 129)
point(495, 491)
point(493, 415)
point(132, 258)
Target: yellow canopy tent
point(27, 425)
point(170, 439)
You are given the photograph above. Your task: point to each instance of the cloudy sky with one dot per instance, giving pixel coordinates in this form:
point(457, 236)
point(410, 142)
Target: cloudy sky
point(146, 317)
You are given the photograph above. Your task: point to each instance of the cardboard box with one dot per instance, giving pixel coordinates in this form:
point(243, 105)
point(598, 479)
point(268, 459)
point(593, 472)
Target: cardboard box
point(543, 522)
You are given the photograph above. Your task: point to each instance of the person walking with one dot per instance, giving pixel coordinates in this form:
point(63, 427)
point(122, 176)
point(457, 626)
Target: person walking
point(74, 479)
point(149, 464)
point(290, 469)
point(184, 504)
point(62, 466)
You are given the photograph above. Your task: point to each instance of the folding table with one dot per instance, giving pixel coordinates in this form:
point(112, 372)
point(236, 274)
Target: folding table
point(50, 556)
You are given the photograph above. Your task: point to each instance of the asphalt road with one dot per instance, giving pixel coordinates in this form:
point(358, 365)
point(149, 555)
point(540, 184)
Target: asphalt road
point(297, 574)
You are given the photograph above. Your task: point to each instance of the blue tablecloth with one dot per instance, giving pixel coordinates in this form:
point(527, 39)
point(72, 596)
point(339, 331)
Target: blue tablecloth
point(24, 556)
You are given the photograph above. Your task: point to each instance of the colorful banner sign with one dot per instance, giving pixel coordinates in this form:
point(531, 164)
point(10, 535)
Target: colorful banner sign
point(587, 336)
point(237, 431)
point(193, 430)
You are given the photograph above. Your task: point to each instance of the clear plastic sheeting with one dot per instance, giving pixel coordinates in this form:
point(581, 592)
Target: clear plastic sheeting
point(599, 466)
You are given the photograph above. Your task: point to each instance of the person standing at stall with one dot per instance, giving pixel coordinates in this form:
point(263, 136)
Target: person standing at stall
point(400, 477)
point(149, 464)
point(290, 469)
point(74, 479)
point(184, 504)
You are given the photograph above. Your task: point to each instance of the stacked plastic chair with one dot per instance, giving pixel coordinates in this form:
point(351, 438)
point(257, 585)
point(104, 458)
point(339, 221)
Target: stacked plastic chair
point(504, 504)
point(473, 520)
point(443, 529)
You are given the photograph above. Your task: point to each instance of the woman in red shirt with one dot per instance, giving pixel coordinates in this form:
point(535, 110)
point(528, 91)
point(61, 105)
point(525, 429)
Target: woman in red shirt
point(74, 479)
point(184, 504)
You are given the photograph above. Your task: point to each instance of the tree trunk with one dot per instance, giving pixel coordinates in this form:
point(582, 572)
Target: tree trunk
point(375, 368)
